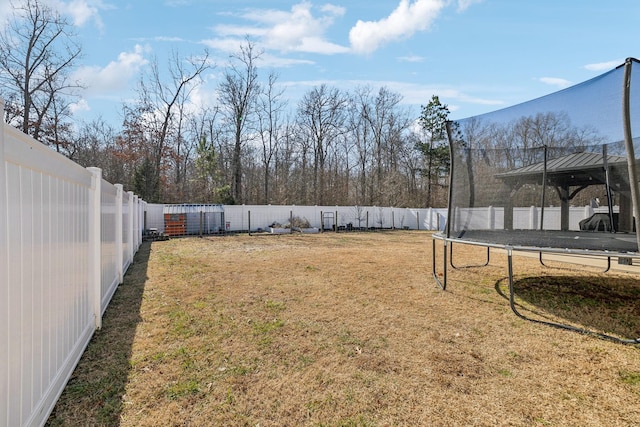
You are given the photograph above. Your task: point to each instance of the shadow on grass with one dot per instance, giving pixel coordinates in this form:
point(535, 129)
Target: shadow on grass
point(94, 393)
point(596, 303)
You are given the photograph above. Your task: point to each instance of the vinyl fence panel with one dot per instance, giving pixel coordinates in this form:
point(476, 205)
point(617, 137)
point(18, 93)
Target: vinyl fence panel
point(262, 216)
point(110, 275)
point(49, 313)
point(59, 266)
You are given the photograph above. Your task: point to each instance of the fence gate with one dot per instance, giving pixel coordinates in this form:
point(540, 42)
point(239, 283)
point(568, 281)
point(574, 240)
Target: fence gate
point(328, 221)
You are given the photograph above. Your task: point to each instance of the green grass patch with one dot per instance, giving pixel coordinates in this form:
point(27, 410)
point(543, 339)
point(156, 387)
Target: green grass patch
point(631, 378)
point(182, 389)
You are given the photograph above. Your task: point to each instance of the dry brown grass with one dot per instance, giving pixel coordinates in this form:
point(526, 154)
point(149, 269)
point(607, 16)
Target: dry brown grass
point(350, 330)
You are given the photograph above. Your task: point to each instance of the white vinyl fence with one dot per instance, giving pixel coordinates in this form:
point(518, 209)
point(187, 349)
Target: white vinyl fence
point(66, 240)
point(524, 218)
point(253, 218)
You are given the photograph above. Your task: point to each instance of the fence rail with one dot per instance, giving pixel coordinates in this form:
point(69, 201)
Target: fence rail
point(66, 239)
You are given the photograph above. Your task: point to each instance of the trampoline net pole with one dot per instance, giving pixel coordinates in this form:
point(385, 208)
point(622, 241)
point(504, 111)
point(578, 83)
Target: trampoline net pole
point(628, 140)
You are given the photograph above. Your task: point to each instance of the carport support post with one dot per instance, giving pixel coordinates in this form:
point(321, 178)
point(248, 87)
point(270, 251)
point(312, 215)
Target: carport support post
point(544, 189)
point(249, 221)
point(628, 140)
point(564, 208)
point(200, 223)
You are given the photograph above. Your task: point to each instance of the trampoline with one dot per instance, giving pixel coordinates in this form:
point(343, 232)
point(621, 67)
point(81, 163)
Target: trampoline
point(529, 177)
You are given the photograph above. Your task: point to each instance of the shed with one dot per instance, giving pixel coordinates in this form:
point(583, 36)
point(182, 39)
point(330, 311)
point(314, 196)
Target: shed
point(193, 219)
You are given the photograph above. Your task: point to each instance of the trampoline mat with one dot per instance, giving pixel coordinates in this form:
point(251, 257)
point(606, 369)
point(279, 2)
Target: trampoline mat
point(624, 243)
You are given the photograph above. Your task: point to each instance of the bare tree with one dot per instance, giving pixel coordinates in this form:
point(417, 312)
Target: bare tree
point(322, 116)
point(38, 49)
point(95, 145)
point(270, 108)
point(363, 140)
point(386, 123)
point(285, 161)
point(238, 95)
point(157, 117)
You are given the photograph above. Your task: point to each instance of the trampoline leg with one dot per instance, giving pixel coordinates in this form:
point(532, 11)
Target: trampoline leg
point(512, 296)
point(441, 283)
point(512, 304)
point(467, 266)
point(542, 262)
point(604, 271)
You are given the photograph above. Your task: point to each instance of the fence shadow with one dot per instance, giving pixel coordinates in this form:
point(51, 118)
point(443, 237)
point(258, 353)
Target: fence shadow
point(597, 302)
point(94, 393)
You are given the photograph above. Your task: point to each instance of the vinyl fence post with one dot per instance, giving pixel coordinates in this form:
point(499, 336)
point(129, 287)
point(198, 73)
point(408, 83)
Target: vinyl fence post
point(95, 244)
point(130, 234)
point(492, 218)
point(533, 218)
point(136, 225)
point(4, 280)
point(119, 260)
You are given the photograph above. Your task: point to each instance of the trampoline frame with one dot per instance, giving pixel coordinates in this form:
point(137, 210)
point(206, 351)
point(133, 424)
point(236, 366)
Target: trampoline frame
point(510, 249)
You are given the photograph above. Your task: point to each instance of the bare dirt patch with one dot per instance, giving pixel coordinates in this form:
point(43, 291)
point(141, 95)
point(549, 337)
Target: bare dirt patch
point(351, 330)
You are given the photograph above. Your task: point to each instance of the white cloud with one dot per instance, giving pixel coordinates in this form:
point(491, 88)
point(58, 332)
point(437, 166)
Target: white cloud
point(115, 77)
point(268, 60)
point(412, 93)
point(417, 94)
point(411, 58)
point(403, 22)
point(168, 39)
point(5, 11)
point(225, 30)
point(333, 9)
point(177, 3)
point(465, 4)
point(296, 30)
point(555, 81)
point(604, 66)
point(81, 105)
point(224, 44)
point(82, 11)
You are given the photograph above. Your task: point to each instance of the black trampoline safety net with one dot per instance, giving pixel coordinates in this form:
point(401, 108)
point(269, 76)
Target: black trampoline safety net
point(564, 163)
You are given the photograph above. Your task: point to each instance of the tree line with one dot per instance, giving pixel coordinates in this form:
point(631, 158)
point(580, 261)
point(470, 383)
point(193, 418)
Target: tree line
point(334, 147)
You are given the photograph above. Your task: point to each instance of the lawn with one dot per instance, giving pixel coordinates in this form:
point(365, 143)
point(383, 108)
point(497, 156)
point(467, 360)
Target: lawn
point(350, 329)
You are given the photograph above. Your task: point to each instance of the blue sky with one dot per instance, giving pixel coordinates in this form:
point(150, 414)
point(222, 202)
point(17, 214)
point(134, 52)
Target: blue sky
point(477, 55)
